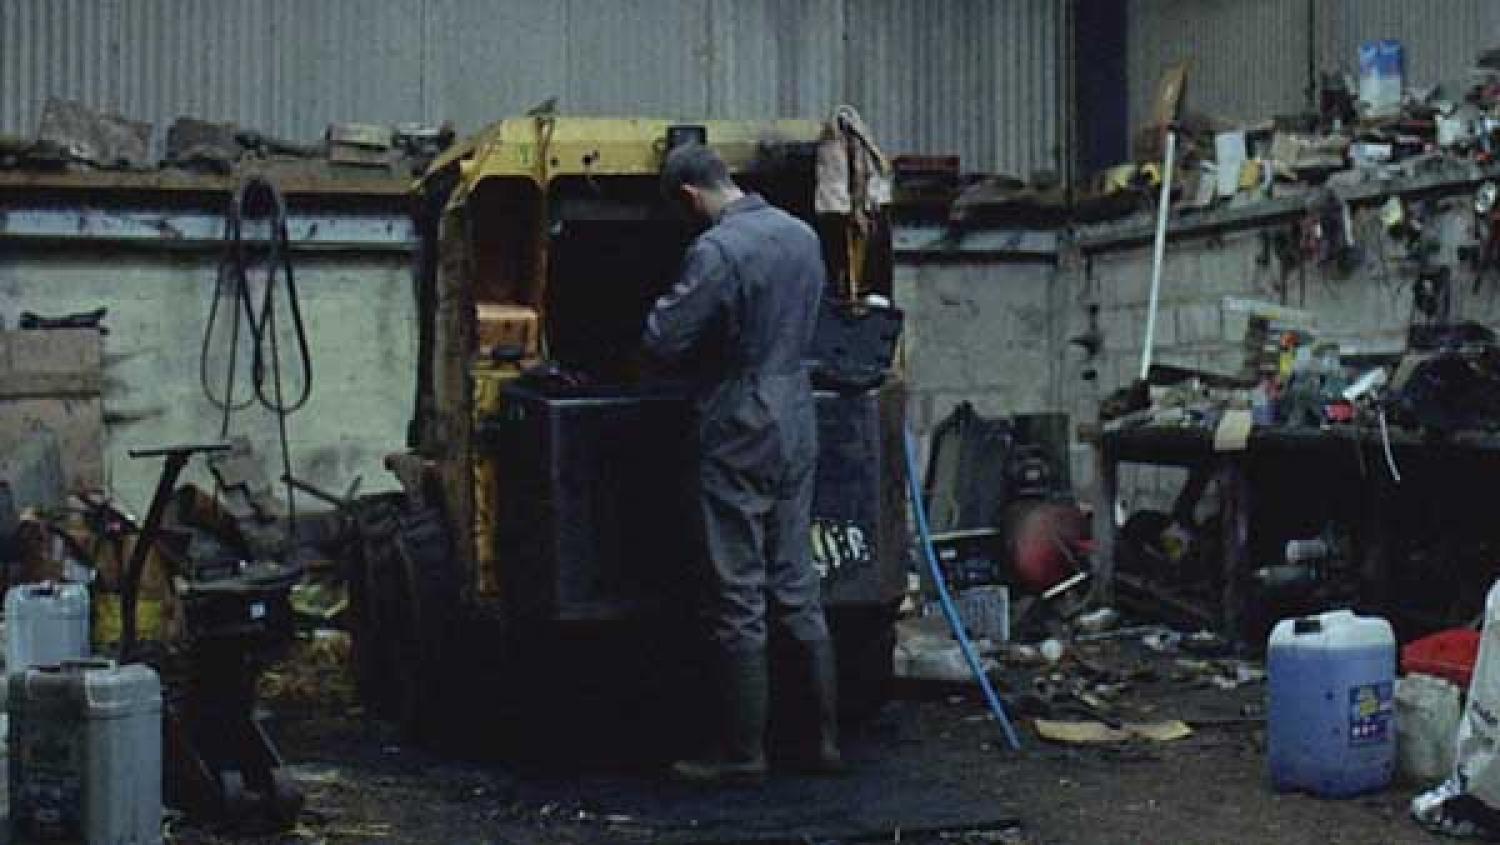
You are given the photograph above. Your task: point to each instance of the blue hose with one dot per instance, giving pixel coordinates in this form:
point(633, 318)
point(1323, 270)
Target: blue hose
point(949, 610)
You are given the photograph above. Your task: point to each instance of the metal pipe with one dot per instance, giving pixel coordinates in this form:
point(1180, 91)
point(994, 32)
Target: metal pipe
point(1163, 208)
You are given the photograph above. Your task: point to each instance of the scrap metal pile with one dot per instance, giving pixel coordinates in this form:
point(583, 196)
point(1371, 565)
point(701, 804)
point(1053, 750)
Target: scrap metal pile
point(73, 136)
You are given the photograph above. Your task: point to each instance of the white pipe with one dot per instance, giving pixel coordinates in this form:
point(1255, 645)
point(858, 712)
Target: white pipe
point(1385, 441)
point(1162, 209)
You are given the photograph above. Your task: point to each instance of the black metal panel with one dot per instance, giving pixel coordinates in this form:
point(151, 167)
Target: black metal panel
point(598, 517)
point(859, 527)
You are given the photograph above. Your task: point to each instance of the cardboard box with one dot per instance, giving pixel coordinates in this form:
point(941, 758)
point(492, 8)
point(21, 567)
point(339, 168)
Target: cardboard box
point(502, 325)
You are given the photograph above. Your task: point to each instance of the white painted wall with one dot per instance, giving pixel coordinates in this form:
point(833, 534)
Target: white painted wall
point(361, 321)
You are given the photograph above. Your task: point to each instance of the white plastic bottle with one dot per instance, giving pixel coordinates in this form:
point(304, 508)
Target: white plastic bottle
point(45, 625)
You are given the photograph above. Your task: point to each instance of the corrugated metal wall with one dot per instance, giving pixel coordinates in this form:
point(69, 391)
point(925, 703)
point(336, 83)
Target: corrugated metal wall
point(1251, 56)
point(976, 77)
point(961, 76)
point(1442, 37)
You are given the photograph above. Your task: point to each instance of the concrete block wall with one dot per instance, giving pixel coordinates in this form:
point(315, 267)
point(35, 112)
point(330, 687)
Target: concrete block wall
point(981, 330)
point(360, 319)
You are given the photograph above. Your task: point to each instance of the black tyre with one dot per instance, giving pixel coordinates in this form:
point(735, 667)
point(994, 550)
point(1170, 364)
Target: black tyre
point(865, 640)
point(426, 585)
point(372, 600)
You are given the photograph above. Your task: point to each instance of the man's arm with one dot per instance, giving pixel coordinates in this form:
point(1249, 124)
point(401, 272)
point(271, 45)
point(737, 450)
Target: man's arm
point(681, 317)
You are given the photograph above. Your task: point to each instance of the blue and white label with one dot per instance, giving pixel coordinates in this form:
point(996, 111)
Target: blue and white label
point(1371, 707)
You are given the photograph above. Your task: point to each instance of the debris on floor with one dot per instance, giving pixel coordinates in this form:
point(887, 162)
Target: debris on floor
point(316, 672)
point(1091, 732)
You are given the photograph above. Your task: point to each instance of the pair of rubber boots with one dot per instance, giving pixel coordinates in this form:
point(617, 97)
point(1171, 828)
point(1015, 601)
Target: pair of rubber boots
point(745, 685)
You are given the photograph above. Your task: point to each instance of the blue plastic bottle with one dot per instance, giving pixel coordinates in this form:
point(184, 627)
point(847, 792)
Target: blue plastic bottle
point(1332, 718)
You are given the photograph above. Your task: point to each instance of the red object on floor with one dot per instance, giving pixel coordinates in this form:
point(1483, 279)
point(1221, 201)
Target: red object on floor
point(1045, 542)
point(1446, 654)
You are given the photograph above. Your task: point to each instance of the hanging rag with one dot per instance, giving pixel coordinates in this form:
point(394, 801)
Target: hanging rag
point(854, 176)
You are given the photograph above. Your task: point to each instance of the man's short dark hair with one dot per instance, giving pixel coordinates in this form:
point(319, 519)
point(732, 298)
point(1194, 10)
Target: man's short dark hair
point(693, 164)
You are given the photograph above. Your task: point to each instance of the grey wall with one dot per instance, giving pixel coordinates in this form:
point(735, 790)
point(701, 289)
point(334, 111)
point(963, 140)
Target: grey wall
point(974, 77)
point(978, 330)
point(360, 317)
point(1442, 37)
point(990, 331)
point(1251, 57)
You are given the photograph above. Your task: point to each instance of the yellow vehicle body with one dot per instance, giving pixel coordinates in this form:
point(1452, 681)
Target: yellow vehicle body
point(547, 147)
point(495, 200)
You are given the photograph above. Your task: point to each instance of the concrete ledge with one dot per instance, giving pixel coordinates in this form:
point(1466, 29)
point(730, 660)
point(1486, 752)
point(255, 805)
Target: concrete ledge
point(1142, 229)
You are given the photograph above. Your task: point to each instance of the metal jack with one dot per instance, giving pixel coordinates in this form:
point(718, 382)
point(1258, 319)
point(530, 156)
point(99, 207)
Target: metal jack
point(221, 765)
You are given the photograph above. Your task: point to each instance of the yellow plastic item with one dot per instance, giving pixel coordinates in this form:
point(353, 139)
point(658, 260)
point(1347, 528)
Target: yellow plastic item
point(546, 147)
point(487, 380)
point(504, 325)
point(1251, 174)
point(105, 630)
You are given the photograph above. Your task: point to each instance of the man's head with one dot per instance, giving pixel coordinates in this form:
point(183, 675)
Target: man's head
point(694, 176)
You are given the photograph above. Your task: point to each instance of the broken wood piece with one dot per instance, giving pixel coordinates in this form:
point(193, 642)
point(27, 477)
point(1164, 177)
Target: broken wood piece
point(1080, 733)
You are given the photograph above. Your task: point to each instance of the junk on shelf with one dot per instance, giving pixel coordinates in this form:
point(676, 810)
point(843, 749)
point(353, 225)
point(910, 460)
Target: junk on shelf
point(1367, 127)
point(72, 136)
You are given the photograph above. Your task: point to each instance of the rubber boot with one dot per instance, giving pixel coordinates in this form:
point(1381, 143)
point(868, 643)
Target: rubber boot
point(820, 676)
point(742, 758)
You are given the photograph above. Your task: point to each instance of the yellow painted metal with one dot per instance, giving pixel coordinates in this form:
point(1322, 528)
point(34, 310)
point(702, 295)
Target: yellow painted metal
point(540, 150)
point(546, 148)
point(487, 379)
point(106, 624)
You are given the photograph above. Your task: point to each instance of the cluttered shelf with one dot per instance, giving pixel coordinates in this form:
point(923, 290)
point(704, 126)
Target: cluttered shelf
point(1005, 225)
point(1188, 446)
point(1447, 177)
point(1375, 467)
point(77, 149)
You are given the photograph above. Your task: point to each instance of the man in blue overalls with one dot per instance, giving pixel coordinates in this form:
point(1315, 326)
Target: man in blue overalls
point(744, 311)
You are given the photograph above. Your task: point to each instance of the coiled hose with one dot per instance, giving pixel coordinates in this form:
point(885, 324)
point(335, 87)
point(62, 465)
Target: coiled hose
point(257, 193)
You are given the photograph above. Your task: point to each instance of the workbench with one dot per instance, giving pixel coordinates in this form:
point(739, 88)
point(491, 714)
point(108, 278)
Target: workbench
point(1345, 464)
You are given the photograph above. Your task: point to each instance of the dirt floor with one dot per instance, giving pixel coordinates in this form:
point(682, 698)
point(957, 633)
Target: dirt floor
point(931, 767)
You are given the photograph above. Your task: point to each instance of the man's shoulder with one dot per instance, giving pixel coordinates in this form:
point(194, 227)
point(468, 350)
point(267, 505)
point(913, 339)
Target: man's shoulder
point(762, 220)
point(708, 246)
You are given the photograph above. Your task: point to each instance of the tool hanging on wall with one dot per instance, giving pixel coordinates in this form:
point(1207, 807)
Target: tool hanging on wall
point(1487, 226)
point(1328, 234)
point(1432, 295)
point(1090, 340)
point(258, 195)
